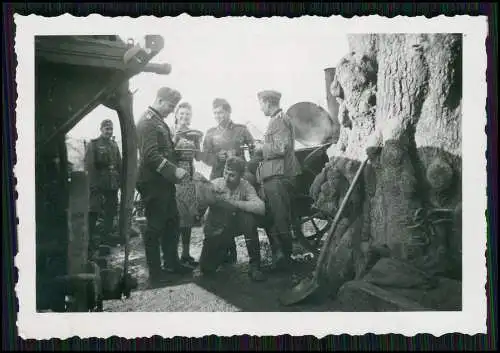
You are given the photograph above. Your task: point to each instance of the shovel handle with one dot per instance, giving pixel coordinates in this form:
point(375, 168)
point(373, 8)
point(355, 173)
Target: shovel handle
point(336, 220)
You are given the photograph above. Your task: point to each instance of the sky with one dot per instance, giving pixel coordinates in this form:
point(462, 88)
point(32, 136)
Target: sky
point(233, 59)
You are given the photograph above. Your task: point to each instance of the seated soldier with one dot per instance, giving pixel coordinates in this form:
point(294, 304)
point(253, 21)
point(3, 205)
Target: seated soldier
point(233, 211)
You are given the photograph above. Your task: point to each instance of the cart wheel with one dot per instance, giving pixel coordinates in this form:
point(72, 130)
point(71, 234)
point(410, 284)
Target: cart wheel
point(314, 229)
point(309, 160)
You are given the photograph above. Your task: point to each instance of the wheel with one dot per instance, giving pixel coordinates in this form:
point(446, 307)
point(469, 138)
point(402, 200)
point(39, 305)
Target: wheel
point(137, 207)
point(311, 159)
point(313, 229)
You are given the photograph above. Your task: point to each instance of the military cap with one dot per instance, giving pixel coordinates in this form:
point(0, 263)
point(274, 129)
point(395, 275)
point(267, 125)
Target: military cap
point(236, 164)
point(169, 94)
point(269, 94)
point(106, 122)
point(221, 102)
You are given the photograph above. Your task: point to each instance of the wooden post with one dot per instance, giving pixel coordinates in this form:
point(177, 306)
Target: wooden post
point(122, 102)
point(78, 222)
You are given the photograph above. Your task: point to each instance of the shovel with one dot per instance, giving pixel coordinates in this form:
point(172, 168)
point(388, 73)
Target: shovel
point(309, 285)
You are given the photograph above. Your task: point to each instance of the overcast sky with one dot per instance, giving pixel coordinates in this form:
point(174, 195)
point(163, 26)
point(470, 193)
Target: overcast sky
point(234, 59)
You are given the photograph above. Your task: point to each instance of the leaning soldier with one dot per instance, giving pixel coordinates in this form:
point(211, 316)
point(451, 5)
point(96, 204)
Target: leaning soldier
point(103, 164)
point(276, 173)
point(158, 174)
point(232, 212)
point(222, 141)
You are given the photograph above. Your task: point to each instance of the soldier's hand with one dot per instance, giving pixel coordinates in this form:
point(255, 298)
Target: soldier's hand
point(222, 156)
point(180, 173)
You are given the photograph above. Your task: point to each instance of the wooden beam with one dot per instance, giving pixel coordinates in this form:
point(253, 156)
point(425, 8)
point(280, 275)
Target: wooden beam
point(87, 108)
point(159, 69)
point(78, 241)
point(96, 53)
point(83, 51)
point(131, 68)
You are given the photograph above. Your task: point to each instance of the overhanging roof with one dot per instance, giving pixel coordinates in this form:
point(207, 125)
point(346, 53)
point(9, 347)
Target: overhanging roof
point(120, 60)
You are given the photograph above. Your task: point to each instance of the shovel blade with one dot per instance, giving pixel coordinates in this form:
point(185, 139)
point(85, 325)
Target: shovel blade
point(304, 289)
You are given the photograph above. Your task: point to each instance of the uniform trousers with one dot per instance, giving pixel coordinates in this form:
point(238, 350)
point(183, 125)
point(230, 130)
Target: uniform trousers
point(162, 229)
point(278, 195)
point(103, 203)
point(221, 227)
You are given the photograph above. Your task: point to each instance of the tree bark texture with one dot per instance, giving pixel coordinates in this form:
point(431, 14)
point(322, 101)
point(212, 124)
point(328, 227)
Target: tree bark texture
point(400, 98)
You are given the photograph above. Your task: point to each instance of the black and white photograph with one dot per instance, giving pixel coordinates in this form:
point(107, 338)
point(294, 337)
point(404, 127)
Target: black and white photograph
point(326, 175)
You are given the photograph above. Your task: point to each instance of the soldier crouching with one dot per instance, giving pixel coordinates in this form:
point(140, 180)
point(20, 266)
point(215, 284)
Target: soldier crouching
point(232, 212)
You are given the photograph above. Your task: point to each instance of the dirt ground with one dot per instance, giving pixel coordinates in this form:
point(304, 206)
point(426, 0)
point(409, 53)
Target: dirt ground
point(230, 290)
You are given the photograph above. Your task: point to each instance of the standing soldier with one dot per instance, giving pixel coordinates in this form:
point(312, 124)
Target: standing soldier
point(223, 141)
point(158, 174)
point(276, 173)
point(103, 164)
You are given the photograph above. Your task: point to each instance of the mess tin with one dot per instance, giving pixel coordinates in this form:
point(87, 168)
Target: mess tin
point(186, 154)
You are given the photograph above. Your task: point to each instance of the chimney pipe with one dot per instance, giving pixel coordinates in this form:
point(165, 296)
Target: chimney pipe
point(333, 106)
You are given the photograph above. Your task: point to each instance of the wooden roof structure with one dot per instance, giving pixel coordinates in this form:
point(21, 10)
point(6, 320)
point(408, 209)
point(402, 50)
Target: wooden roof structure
point(75, 74)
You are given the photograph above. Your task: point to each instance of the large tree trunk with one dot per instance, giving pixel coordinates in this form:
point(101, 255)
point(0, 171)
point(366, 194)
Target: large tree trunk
point(400, 97)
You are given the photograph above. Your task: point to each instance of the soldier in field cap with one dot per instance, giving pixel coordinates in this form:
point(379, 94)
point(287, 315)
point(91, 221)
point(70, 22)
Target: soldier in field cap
point(158, 174)
point(103, 163)
point(269, 95)
point(223, 141)
point(276, 173)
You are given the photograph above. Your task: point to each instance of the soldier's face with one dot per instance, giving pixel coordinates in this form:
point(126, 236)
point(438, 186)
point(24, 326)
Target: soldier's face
point(220, 115)
point(166, 108)
point(232, 178)
point(264, 107)
point(184, 117)
point(107, 131)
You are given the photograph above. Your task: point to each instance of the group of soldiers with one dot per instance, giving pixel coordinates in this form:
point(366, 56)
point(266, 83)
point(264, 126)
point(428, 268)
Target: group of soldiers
point(246, 192)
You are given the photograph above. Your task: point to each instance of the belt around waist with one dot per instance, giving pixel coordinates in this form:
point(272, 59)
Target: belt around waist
point(273, 159)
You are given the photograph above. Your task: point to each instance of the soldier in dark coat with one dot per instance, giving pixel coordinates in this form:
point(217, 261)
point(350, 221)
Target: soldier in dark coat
point(223, 141)
point(103, 164)
point(158, 174)
point(277, 173)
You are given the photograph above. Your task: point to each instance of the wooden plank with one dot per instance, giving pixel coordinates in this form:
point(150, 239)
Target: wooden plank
point(80, 41)
point(78, 236)
point(364, 296)
point(84, 60)
point(75, 117)
point(73, 51)
point(132, 67)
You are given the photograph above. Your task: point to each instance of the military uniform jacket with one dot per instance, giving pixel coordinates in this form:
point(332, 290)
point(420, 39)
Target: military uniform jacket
point(157, 159)
point(230, 138)
point(278, 151)
point(103, 164)
point(217, 217)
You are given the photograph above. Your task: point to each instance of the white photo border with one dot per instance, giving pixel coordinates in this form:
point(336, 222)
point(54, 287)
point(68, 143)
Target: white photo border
point(471, 320)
